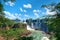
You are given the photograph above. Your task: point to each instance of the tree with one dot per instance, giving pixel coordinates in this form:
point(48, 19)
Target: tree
point(2, 14)
point(54, 23)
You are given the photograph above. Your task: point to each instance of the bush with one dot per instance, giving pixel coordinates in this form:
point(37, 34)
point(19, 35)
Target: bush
point(25, 38)
point(14, 33)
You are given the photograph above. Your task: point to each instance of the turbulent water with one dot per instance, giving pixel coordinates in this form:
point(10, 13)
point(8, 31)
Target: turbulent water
point(38, 35)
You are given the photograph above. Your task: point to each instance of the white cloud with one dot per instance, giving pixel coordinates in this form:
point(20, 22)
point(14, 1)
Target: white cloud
point(22, 10)
point(16, 14)
point(26, 15)
point(50, 13)
point(10, 3)
point(36, 14)
point(27, 6)
point(19, 14)
point(36, 11)
point(11, 16)
point(43, 12)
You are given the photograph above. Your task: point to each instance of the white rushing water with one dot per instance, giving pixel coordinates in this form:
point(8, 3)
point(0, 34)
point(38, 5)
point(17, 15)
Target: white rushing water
point(29, 28)
point(37, 35)
point(44, 38)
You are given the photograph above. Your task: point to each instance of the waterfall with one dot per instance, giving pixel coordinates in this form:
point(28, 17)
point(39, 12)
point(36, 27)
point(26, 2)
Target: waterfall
point(29, 28)
point(32, 25)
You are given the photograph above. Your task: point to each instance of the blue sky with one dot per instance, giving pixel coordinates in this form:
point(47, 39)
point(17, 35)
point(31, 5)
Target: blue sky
point(24, 9)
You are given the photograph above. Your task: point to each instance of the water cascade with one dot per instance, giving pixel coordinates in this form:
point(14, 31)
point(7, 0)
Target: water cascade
point(29, 28)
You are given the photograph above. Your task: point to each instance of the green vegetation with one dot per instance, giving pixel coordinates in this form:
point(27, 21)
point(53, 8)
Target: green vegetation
point(54, 21)
point(14, 33)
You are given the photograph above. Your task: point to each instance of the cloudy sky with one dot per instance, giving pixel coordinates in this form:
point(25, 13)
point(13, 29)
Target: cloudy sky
point(24, 9)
